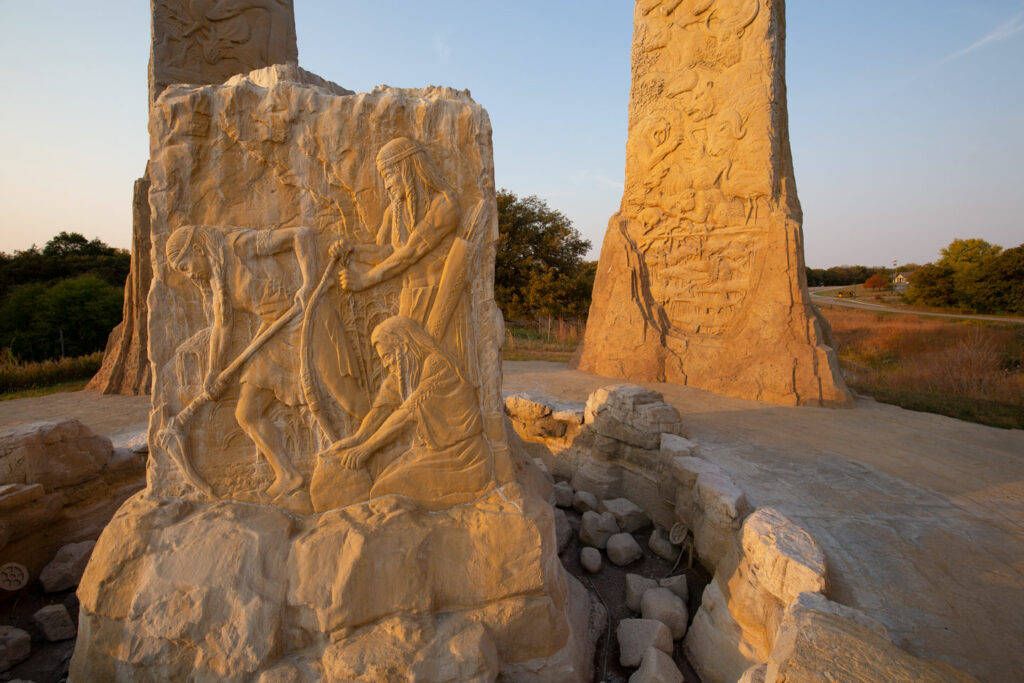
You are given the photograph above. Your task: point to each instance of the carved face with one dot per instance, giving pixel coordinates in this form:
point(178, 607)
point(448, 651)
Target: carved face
point(393, 182)
point(390, 357)
point(195, 264)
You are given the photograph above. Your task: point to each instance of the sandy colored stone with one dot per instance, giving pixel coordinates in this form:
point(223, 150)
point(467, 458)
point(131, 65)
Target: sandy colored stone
point(55, 623)
point(623, 549)
point(701, 276)
point(636, 635)
point(18, 495)
point(676, 446)
point(596, 529)
point(564, 494)
point(636, 586)
point(656, 667)
point(632, 415)
point(628, 515)
point(714, 643)
point(754, 674)
point(15, 647)
point(66, 568)
point(54, 453)
point(662, 547)
point(590, 559)
point(563, 530)
point(584, 502)
point(665, 606)
point(676, 584)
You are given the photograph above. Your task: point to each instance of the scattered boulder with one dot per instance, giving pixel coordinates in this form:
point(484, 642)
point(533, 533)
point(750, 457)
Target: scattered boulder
point(564, 494)
point(584, 501)
point(590, 558)
point(54, 453)
point(628, 514)
point(15, 646)
point(676, 584)
point(636, 635)
point(667, 607)
point(631, 414)
point(661, 546)
point(623, 549)
point(66, 569)
point(55, 623)
point(563, 530)
point(596, 529)
point(636, 586)
point(657, 667)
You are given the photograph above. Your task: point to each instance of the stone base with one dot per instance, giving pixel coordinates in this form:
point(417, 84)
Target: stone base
point(377, 591)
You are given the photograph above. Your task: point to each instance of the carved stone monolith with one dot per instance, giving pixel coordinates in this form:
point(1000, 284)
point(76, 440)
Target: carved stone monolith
point(701, 278)
point(201, 42)
point(331, 494)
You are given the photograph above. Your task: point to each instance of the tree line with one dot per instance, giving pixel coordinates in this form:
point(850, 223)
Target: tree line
point(971, 275)
point(61, 300)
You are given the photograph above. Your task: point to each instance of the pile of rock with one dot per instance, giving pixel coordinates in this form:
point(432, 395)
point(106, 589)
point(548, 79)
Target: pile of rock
point(648, 642)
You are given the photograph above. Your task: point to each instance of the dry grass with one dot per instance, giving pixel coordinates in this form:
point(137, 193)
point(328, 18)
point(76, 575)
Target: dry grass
point(17, 378)
point(551, 339)
point(968, 370)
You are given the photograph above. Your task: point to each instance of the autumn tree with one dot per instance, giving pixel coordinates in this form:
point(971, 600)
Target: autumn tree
point(877, 281)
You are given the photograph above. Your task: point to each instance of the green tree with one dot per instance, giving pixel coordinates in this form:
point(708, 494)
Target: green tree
point(966, 253)
point(539, 267)
point(932, 285)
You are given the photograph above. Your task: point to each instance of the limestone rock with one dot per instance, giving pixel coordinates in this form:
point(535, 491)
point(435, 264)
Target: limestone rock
point(596, 529)
point(631, 414)
point(54, 453)
point(55, 623)
point(584, 501)
point(786, 559)
point(662, 547)
point(665, 606)
point(18, 495)
point(755, 674)
point(675, 446)
point(623, 549)
point(590, 559)
point(701, 277)
point(657, 667)
point(676, 584)
point(564, 494)
point(563, 530)
point(15, 647)
point(636, 586)
point(65, 570)
point(628, 515)
point(636, 635)
point(714, 642)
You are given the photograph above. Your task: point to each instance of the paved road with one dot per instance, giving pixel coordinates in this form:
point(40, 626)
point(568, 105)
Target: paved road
point(820, 300)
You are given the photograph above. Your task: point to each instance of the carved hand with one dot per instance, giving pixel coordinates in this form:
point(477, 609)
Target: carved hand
point(351, 282)
point(353, 458)
point(340, 249)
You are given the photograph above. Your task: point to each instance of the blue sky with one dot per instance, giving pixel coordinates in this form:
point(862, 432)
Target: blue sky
point(906, 116)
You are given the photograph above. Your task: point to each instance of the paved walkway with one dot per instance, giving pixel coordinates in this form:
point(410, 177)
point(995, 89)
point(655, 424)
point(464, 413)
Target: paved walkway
point(921, 516)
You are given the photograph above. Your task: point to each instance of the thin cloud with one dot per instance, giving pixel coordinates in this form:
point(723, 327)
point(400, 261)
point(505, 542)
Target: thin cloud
point(1004, 31)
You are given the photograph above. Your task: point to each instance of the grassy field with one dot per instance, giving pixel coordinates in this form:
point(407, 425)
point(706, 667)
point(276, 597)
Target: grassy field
point(21, 380)
point(553, 339)
point(968, 370)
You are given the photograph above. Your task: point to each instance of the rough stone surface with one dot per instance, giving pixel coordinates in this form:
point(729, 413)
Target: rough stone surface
point(590, 558)
point(714, 643)
point(623, 549)
point(665, 606)
point(754, 674)
point(662, 547)
point(784, 558)
point(631, 414)
point(53, 453)
point(636, 635)
point(596, 529)
point(657, 667)
point(636, 586)
point(563, 530)
point(584, 501)
point(564, 494)
point(65, 570)
point(701, 279)
point(676, 584)
point(18, 495)
point(55, 623)
point(628, 515)
point(675, 446)
point(15, 647)
point(324, 339)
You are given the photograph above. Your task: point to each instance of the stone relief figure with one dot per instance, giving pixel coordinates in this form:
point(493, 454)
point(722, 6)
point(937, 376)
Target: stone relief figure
point(415, 235)
point(253, 272)
point(424, 391)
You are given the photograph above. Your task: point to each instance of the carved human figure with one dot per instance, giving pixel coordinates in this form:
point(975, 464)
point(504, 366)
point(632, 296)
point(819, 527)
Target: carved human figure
point(417, 230)
point(237, 269)
point(449, 461)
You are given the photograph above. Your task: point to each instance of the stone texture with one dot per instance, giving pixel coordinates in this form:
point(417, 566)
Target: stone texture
point(636, 635)
point(584, 501)
point(628, 515)
point(53, 453)
point(590, 559)
point(657, 667)
point(563, 530)
point(714, 643)
point(701, 277)
point(324, 340)
point(675, 446)
point(596, 529)
point(710, 504)
point(65, 570)
point(665, 606)
point(636, 586)
point(564, 494)
point(623, 549)
point(18, 495)
point(754, 674)
point(55, 623)
point(662, 547)
point(15, 647)
point(631, 414)
point(676, 584)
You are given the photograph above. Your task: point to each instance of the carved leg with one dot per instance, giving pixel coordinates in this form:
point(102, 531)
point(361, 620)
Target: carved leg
point(348, 393)
point(253, 403)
